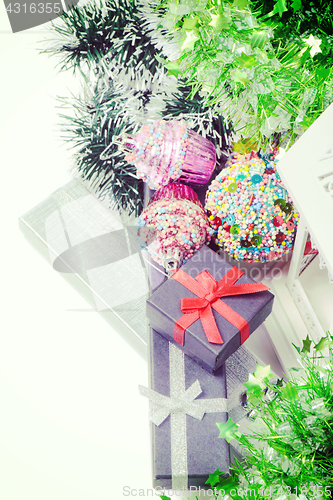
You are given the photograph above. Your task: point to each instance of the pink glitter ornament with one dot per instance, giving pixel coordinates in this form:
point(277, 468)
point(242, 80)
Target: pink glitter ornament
point(174, 225)
point(167, 151)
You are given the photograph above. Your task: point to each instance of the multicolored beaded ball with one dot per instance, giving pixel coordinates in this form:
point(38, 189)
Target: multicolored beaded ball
point(167, 151)
point(174, 225)
point(250, 210)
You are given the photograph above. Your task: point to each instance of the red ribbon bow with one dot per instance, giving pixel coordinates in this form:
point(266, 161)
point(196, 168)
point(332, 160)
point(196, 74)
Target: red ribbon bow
point(209, 293)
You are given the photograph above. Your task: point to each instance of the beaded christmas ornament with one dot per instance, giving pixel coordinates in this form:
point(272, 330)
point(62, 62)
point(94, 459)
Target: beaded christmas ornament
point(174, 225)
point(250, 210)
point(167, 151)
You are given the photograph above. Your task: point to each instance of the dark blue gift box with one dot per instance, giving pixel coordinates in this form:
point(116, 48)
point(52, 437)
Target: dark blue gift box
point(163, 310)
point(187, 451)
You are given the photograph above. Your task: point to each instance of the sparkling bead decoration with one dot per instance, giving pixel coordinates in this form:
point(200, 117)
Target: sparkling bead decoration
point(174, 225)
point(163, 152)
point(252, 214)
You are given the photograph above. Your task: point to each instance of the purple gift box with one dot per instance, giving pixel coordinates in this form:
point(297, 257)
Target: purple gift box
point(186, 402)
point(164, 311)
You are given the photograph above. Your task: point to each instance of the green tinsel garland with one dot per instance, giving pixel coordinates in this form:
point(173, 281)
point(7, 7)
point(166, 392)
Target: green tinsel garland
point(296, 19)
point(263, 84)
point(290, 447)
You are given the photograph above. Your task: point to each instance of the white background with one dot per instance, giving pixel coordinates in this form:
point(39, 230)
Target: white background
point(72, 424)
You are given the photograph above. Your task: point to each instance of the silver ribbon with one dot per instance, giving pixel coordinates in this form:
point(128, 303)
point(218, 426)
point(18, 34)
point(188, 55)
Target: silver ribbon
point(180, 403)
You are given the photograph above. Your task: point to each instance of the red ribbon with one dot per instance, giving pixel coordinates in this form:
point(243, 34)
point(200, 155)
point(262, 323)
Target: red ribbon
point(209, 293)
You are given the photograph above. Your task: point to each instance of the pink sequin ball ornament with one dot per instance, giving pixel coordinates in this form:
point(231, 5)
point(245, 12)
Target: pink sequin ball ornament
point(174, 225)
point(163, 152)
point(250, 209)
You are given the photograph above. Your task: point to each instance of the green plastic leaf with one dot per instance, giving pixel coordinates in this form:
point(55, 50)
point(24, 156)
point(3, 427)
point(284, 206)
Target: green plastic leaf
point(220, 22)
point(306, 122)
point(289, 392)
point(173, 68)
point(191, 23)
point(245, 145)
point(305, 55)
point(306, 344)
point(254, 399)
point(280, 7)
point(296, 5)
point(314, 44)
point(241, 4)
point(189, 41)
point(214, 478)
point(246, 61)
point(228, 430)
point(258, 39)
point(322, 74)
point(163, 497)
point(239, 76)
point(254, 385)
point(298, 349)
point(321, 344)
point(263, 372)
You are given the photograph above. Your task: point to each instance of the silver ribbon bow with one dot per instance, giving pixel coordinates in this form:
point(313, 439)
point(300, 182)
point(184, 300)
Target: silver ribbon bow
point(180, 403)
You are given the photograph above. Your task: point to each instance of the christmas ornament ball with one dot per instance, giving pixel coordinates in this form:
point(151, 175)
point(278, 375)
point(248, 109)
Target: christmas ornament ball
point(250, 210)
point(174, 225)
point(167, 151)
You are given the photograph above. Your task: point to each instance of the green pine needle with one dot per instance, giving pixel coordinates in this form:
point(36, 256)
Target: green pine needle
point(90, 131)
point(97, 33)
